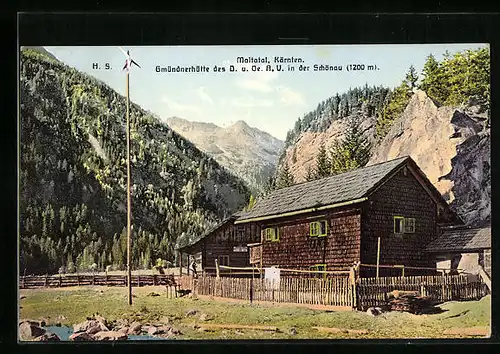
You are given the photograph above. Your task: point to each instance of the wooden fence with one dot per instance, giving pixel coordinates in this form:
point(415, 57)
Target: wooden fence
point(340, 291)
point(374, 291)
point(331, 291)
point(26, 282)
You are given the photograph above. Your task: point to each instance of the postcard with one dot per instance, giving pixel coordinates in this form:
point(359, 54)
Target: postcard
point(254, 192)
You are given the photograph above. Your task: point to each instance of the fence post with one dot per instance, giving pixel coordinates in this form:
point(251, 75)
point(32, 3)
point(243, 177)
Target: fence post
point(378, 255)
point(217, 271)
point(46, 280)
point(251, 288)
point(352, 281)
point(60, 280)
point(22, 279)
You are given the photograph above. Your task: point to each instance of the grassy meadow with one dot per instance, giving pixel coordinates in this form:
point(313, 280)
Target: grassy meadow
point(69, 306)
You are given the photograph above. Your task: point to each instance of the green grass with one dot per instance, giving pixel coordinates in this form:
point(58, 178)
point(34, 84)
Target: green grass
point(75, 304)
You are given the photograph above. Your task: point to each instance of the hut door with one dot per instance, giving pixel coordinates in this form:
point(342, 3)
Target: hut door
point(455, 261)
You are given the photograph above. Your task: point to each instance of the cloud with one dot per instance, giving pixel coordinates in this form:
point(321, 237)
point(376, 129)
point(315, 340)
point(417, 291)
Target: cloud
point(203, 95)
point(248, 101)
point(252, 84)
point(254, 80)
point(179, 107)
point(290, 97)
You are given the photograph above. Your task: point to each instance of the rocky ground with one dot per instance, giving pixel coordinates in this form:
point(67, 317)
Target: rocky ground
point(97, 328)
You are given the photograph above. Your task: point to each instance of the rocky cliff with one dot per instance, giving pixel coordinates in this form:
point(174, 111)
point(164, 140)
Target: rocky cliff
point(249, 153)
point(302, 155)
point(452, 147)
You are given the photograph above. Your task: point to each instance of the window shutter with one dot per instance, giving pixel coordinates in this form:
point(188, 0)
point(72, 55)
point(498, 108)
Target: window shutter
point(276, 234)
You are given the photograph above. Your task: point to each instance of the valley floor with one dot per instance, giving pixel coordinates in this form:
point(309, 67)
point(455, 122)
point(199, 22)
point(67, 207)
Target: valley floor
point(69, 306)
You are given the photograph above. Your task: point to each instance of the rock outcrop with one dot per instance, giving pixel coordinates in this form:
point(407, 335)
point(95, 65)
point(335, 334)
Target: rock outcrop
point(451, 147)
point(302, 155)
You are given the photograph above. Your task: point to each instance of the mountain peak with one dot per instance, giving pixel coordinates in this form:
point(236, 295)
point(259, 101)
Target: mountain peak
point(241, 124)
point(246, 151)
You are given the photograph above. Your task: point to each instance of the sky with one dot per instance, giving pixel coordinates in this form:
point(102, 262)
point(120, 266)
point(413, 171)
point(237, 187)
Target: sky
point(268, 100)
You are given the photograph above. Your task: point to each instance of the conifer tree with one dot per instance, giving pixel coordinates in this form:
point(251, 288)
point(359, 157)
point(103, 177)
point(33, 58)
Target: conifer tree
point(351, 152)
point(285, 178)
point(430, 80)
point(310, 176)
point(323, 164)
point(412, 77)
point(251, 202)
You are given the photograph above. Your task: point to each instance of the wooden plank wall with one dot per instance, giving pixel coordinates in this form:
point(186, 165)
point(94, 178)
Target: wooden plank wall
point(295, 249)
point(222, 241)
point(401, 195)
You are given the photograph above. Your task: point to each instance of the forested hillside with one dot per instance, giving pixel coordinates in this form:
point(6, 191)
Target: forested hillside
point(73, 176)
point(356, 101)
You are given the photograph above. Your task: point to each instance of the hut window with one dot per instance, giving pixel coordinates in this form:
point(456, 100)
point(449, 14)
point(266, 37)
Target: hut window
point(409, 224)
point(272, 234)
point(224, 260)
point(398, 224)
point(320, 268)
point(318, 228)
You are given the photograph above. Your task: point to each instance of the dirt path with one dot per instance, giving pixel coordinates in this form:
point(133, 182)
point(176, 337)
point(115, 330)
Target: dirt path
point(470, 331)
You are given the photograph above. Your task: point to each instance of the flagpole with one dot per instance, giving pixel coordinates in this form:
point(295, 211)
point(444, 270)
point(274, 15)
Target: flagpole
point(129, 204)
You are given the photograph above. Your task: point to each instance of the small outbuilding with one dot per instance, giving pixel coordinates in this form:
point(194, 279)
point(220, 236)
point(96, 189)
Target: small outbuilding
point(462, 249)
point(224, 242)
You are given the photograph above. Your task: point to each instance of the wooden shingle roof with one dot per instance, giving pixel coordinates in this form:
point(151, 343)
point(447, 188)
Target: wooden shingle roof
point(344, 187)
point(461, 239)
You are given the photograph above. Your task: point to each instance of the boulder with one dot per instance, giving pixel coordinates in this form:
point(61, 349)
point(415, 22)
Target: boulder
point(110, 335)
point(90, 326)
point(81, 336)
point(164, 320)
point(124, 330)
point(30, 331)
point(101, 319)
point(152, 330)
point(135, 328)
point(374, 311)
point(173, 331)
point(191, 312)
point(163, 329)
point(47, 337)
point(205, 317)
